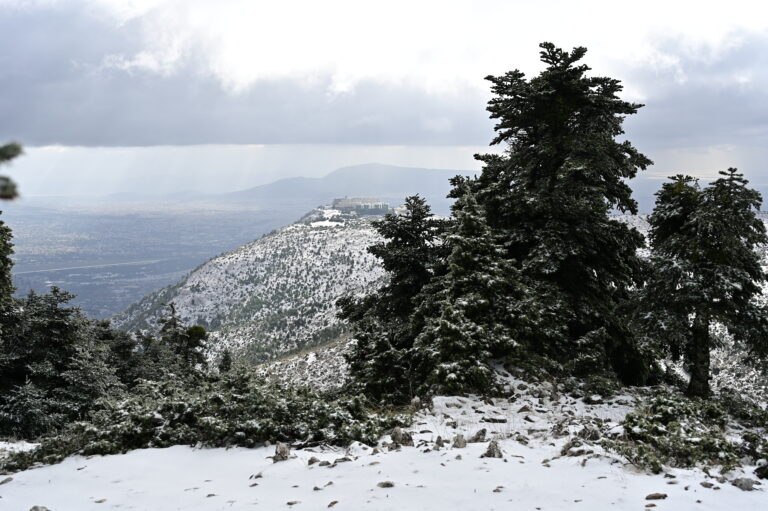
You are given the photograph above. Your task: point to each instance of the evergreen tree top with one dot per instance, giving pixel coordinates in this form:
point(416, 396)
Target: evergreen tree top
point(561, 126)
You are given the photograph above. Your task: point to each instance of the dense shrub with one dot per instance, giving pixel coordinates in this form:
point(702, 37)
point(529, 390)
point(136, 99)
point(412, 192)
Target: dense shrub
point(236, 409)
point(54, 364)
point(672, 430)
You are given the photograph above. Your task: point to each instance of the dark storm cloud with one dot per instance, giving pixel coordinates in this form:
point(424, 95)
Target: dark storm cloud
point(56, 90)
point(705, 101)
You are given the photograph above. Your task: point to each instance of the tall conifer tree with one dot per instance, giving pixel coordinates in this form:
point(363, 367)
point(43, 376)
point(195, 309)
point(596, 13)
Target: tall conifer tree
point(706, 270)
point(475, 311)
point(550, 194)
point(412, 252)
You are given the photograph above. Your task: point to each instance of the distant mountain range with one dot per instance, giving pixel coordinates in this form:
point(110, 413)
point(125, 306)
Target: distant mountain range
point(390, 184)
point(386, 182)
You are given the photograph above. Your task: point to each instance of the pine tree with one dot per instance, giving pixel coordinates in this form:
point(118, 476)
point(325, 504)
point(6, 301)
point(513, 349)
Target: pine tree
point(225, 364)
point(52, 365)
point(185, 344)
point(706, 270)
point(6, 265)
point(412, 253)
point(549, 196)
point(125, 354)
point(474, 312)
point(7, 191)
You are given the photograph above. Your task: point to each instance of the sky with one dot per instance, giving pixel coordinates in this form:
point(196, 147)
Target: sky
point(129, 95)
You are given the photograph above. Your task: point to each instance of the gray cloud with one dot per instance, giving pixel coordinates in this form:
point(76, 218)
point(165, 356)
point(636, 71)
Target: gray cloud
point(700, 102)
point(56, 91)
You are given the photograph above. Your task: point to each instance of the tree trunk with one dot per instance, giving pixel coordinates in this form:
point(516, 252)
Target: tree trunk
point(698, 386)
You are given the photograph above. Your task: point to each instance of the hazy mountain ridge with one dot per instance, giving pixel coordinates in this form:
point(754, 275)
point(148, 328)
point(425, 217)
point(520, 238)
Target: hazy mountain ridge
point(387, 182)
point(274, 295)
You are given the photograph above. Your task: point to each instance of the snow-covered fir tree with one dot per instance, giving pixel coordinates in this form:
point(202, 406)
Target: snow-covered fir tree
point(412, 253)
point(705, 269)
point(549, 196)
point(472, 313)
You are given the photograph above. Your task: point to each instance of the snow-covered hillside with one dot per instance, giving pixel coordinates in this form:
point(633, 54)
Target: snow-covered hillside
point(274, 295)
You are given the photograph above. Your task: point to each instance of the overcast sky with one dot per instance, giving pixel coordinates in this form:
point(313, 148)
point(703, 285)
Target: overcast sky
point(226, 94)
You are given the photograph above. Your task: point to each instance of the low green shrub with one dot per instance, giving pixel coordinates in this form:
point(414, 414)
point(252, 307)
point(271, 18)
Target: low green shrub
point(673, 430)
point(235, 409)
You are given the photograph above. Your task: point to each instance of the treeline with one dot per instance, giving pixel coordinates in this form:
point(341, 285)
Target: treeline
point(532, 268)
point(57, 365)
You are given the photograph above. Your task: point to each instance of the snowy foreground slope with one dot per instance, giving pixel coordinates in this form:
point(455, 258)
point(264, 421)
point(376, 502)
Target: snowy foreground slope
point(274, 295)
point(541, 468)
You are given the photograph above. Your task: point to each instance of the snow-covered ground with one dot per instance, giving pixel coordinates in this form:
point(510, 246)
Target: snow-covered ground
point(10, 447)
point(535, 472)
point(211, 479)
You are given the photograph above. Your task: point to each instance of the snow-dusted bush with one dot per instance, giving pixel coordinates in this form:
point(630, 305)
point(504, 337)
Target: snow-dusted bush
point(670, 429)
point(236, 409)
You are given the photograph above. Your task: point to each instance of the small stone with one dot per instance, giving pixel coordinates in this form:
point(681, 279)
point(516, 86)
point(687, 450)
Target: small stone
point(706, 484)
point(478, 437)
point(100, 501)
point(333, 503)
point(439, 442)
point(521, 438)
point(324, 463)
point(656, 496)
point(256, 476)
point(459, 442)
point(458, 456)
point(317, 489)
point(6, 480)
point(650, 505)
point(762, 472)
point(401, 437)
point(210, 495)
point(39, 508)
point(493, 451)
point(524, 409)
point(282, 452)
point(744, 483)
point(375, 451)
point(386, 484)
point(293, 502)
point(342, 460)
point(313, 460)
point(594, 399)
